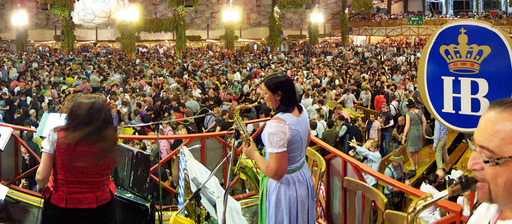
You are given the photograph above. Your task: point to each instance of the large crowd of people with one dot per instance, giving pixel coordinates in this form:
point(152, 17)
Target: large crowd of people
point(329, 80)
point(157, 86)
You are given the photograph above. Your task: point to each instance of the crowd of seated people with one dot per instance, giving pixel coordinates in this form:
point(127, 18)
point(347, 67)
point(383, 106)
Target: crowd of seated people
point(156, 86)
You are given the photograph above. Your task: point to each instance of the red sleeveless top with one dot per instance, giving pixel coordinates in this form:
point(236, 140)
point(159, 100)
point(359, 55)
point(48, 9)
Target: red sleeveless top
point(80, 175)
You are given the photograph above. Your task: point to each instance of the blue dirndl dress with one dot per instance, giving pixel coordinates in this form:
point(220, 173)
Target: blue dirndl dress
point(291, 199)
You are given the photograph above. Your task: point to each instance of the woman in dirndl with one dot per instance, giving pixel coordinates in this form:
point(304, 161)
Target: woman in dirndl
point(286, 187)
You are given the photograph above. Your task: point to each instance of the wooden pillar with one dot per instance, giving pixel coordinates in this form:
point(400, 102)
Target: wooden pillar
point(96, 34)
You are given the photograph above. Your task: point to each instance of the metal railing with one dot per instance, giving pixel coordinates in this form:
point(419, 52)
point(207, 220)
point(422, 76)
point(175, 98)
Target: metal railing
point(187, 139)
point(336, 161)
point(358, 168)
point(399, 27)
point(426, 22)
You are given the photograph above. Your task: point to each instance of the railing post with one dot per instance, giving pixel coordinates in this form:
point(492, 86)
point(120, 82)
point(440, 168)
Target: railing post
point(224, 170)
point(327, 185)
point(343, 190)
point(16, 165)
point(202, 151)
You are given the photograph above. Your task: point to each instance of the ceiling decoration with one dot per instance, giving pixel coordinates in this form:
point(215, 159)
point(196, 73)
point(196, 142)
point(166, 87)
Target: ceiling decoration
point(91, 13)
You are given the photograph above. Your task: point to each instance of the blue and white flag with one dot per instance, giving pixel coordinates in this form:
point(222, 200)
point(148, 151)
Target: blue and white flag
point(181, 185)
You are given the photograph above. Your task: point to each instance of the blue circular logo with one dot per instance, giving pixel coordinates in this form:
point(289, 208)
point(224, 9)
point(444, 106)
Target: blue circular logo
point(465, 66)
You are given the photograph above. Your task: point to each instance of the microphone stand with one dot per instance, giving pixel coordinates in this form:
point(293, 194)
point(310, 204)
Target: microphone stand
point(159, 171)
point(198, 190)
point(196, 193)
point(236, 136)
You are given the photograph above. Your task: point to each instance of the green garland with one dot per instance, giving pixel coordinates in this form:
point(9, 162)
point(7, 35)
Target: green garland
point(157, 25)
point(274, 30)
point(344, 28)
point(229, 36)
point(64, 9)
point(344, 23)
point(68, 27)
point(296, 36)
point(127, 37)
point(59, 7)
point(291, 4)
point(181, 28)
point(274, 24)
point(21, 39)
point(175, 4)
point(313, 31)
point(58, 11)
point(180, 23)
point(362, 6)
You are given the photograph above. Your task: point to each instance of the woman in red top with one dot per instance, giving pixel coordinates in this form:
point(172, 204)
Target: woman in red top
point(76, 164)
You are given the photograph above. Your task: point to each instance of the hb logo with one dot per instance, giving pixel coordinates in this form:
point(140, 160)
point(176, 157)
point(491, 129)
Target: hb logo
point(464, 59)
point(465, 65)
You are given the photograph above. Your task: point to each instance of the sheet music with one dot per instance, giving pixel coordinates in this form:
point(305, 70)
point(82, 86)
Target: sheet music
point(212, 190)
point(5, 134)
point(50, 121)
point(3, 192)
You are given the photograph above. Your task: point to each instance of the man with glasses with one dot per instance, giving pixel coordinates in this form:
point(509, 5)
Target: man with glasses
point(491, 165)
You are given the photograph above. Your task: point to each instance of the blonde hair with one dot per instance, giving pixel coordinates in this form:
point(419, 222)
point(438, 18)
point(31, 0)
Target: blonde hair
point(374, 144)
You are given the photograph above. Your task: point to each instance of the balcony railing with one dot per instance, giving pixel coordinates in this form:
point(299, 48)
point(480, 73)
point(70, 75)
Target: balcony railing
point(339, 166)
point(399, 27)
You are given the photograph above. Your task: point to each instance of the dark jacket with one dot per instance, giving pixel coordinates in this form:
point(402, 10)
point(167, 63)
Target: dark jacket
point(329, 136)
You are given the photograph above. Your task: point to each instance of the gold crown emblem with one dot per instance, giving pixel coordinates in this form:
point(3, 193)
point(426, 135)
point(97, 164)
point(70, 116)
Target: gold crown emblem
point(464, 59)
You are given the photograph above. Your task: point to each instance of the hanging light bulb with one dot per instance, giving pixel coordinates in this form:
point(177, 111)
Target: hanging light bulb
point(19, 18)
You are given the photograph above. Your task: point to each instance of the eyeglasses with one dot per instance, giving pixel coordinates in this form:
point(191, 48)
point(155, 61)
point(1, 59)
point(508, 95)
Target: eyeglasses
point(491, 162)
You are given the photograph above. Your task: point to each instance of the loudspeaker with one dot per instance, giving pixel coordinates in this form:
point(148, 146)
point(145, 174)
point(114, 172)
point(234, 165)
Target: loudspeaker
point(188, 3)
point(132, 171)
point(130, 208)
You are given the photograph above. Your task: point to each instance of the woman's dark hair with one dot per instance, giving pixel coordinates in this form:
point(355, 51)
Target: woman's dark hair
point(25, 112)
point(282, 83)
point(35, 105)
point(90, 119)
